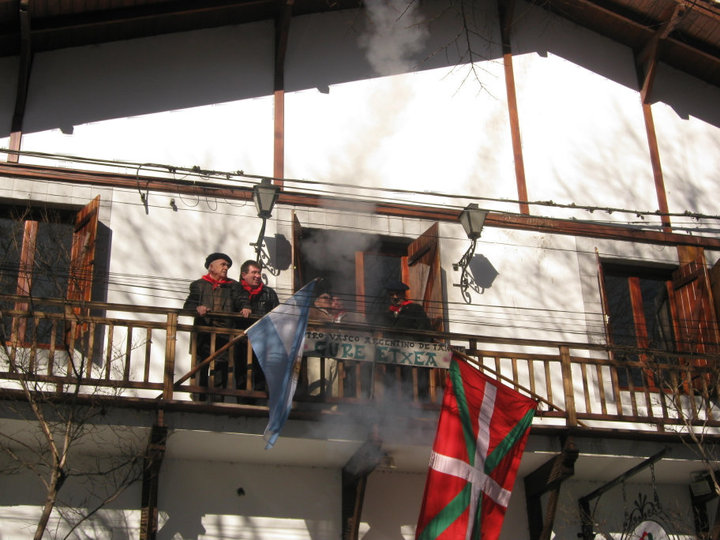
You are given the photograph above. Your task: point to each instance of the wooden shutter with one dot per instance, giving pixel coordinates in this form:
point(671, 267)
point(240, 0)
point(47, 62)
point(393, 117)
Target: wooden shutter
point(604, 300)
point(25, 275)
point(82, 254)
point(696, 326)
point(697, 323)
point(425, 277)
point(360, 303)
point(297, 233)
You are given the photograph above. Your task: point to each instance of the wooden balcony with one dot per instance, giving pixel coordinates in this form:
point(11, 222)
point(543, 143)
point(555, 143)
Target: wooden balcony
point(142, 356)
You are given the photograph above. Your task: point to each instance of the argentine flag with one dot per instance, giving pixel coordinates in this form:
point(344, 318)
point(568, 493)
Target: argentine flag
point(277, 340)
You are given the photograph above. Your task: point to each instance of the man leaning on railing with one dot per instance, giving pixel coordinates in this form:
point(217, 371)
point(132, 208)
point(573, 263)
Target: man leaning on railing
point(212, 294)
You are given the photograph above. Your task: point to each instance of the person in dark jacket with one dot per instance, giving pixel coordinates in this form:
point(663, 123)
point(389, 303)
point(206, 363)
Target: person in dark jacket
point(253, 300)
point(403, 314)
point(210, 296)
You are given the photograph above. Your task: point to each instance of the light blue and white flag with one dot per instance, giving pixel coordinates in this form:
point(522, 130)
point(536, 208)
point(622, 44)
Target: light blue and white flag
point(277, 340)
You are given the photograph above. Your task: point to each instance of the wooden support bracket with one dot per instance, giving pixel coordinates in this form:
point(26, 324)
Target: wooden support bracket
point(154, 455)
point(354, 480)
point(547, 479)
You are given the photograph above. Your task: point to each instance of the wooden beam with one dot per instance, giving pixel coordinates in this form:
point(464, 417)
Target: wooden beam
point(656, 166)
point(282, 30)
point(435, 213)
point(548, 478)
point(646, 60)
point(154, 455)
point(506, 9)
point(634, 28)
point(354, 481)
point(584, 502)
point(22, 82)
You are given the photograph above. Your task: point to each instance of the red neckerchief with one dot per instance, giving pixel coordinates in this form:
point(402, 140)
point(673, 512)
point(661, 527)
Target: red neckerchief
point(396, 309)
point(215, 282)
point(249, 288)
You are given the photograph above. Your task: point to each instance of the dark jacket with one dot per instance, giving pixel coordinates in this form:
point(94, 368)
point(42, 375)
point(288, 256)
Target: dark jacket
point(410, 317)
point(220, 300)
point(260, 304)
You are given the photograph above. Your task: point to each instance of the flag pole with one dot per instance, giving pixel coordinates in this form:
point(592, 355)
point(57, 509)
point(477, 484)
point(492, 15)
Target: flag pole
point(476, 363)
point(209, 359)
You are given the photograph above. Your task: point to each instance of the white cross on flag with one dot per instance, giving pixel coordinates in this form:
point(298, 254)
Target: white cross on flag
point(480, 438)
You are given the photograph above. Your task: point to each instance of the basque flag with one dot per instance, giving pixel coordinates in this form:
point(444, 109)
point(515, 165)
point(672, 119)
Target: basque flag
point(480, 438)
point(277, 339)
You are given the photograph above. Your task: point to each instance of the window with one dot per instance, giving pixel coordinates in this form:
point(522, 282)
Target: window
point(46, 252)
point(359, 264)
point(658, 308)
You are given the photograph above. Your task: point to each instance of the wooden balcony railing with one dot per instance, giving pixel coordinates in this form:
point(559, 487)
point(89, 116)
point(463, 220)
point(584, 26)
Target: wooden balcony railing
point(146, 353)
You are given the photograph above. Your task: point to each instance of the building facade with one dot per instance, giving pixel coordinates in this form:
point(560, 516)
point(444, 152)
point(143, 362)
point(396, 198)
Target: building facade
point(132, 138)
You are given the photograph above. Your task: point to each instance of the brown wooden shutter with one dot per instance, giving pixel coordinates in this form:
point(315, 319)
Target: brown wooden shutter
point(25, 275)
point(361, 301)
point(297, 233)
point(697, 327)
point(82, 254)
point(425, 276)
point(715, 286)
point(604, 300)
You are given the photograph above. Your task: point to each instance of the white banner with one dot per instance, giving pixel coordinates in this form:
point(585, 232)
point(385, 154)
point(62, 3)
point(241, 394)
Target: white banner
point(361, 347)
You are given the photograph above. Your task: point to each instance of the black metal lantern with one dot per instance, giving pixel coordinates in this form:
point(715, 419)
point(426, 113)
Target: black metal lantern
point(472, 219)
point(265, 195)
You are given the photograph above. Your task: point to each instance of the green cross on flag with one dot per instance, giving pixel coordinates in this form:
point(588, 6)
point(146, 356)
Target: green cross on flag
point(480, 438)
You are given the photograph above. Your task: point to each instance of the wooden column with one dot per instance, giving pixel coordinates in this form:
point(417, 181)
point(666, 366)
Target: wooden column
point(505, 9)
point(282, 28)
point(22, 83)
point(646, 66)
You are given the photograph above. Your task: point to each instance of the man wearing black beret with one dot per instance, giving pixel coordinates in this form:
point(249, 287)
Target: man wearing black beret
point(211, 295)
point(406, 315)
point(402, 313)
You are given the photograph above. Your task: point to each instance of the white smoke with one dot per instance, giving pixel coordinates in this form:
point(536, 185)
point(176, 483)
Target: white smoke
point(396, 32)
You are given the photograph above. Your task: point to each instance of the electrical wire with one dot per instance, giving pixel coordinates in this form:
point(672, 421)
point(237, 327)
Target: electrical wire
point(243, 178)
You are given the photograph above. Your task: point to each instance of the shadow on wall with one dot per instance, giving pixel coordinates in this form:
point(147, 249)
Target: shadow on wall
point(537, 31)
point(483, 272)
point(280, 252)
point(232, 63)
point(480, 276)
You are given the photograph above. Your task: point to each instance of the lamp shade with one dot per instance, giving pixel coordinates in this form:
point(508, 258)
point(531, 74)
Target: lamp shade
point(265, 194)
point(472, 219)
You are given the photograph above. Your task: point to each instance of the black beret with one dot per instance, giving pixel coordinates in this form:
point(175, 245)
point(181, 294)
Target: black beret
point(395, 285)
point(215, 256)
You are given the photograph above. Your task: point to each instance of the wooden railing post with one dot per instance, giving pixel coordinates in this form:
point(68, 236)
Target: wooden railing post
point(170, 340)
point(568, 389)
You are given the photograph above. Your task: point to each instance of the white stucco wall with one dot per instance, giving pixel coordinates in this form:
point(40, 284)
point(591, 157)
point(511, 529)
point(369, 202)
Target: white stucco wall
point(184, 99)
point(200, 500)
point(687, 119)
point(581, 120)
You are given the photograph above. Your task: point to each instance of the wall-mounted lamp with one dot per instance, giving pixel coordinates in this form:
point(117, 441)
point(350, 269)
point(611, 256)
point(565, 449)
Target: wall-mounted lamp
point(472, 219)
point(265, 195)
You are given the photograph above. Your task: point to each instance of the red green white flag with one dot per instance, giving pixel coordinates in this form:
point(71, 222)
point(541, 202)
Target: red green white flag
point(480, 438)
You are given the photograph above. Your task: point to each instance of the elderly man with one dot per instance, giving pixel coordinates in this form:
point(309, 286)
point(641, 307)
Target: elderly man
point(253, 300)
point(210, 296)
